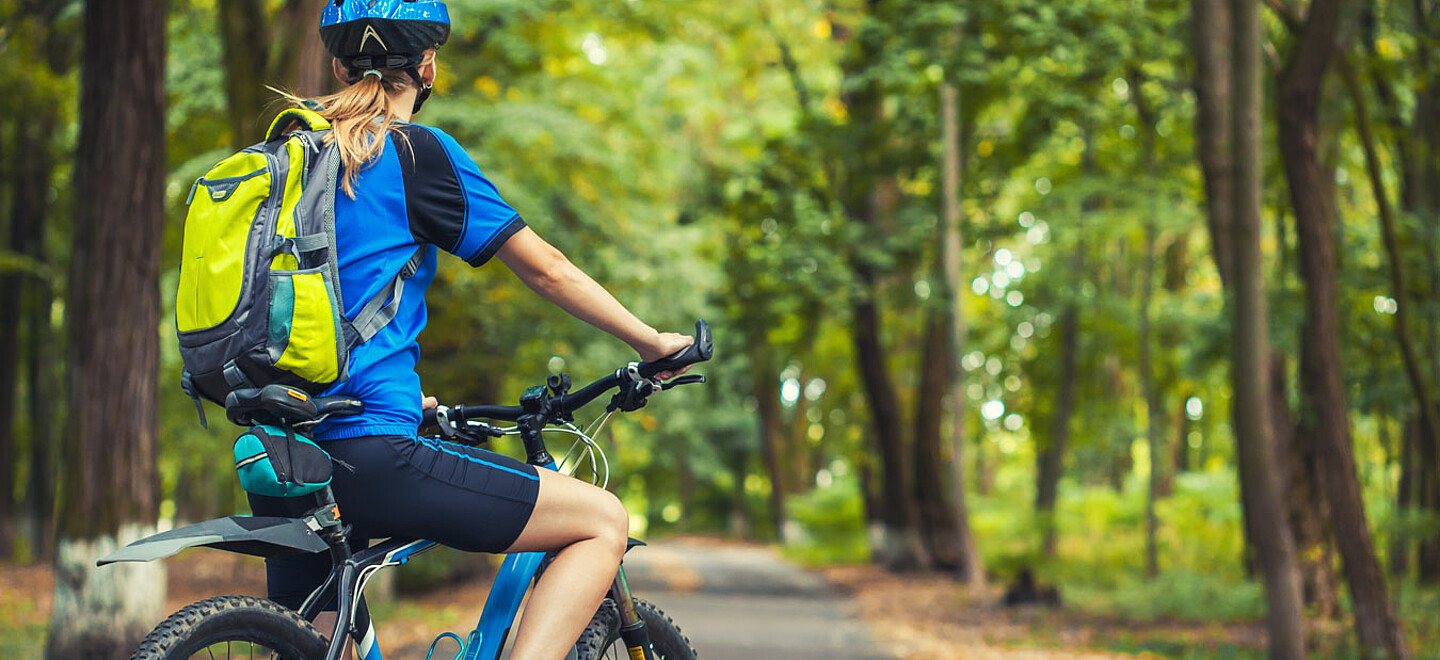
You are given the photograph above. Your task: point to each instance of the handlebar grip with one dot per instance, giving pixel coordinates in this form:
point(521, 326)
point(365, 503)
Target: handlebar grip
point(700, 351)
point(427, 418)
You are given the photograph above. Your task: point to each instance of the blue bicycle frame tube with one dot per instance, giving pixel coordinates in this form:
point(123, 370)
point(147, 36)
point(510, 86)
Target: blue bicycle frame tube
point(488, 639)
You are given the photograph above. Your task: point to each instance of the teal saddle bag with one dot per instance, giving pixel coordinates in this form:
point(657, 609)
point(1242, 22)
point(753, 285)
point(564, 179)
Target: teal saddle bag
point(277, 462)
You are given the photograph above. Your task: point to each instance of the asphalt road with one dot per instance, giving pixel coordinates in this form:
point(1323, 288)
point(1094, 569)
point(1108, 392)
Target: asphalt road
point(746, 603)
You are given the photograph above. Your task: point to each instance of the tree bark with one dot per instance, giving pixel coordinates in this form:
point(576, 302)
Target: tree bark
point(1212, 40)
point(1377, 627)
point(1050, 455)
point(1183, 426)
point(302, 64)
point(1275, 547)
point(900, 548)
point(869, 193)
point(245, 46)
point(1154, 409)
point(11, 286)
point(937, 518)
point(1154, 429)
point(1302, 482)
point(112, 492)
point(1400, 544)
point(29, 211)
point(41, 375)
point(767, 400)
point(972, 565)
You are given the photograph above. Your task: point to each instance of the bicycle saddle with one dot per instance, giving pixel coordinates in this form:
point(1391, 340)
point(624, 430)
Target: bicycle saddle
point(276, 403)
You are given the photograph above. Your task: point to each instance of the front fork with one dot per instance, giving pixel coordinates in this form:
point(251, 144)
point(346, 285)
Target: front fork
point(632, 627)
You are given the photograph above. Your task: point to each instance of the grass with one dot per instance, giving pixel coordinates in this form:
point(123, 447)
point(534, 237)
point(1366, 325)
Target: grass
point(22, 628)
point(1099, 564)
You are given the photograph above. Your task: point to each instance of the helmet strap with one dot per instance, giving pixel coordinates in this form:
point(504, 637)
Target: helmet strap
point(424, 88)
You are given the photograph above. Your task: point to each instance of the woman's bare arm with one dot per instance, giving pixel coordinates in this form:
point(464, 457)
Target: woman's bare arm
point(549, 273)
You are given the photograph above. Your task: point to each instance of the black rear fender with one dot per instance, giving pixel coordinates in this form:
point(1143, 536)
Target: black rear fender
point(247, 535)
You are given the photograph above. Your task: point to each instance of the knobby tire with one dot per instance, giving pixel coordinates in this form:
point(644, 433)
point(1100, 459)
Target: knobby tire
point(232, 619)
point(601, 639)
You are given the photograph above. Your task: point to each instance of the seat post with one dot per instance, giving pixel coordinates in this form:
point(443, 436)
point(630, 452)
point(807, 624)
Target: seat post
point(331, 528)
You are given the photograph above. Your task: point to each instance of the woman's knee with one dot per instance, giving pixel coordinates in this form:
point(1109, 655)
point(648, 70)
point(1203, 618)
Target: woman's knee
point(613, 521)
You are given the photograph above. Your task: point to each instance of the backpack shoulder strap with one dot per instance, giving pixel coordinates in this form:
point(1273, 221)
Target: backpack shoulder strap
point(378, 313)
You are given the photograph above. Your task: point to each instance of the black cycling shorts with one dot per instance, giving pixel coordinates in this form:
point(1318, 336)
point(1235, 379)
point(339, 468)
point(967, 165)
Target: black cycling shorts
point(466, 498)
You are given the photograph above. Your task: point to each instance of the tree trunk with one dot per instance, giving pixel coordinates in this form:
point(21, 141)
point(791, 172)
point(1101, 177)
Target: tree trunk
point(1400, 544)
point(302, 64)
point(246, 54)
point(12, 283)
point(937, 517)
point(1183, 426)
point(739, 520)
point(1154, 429)
point(767, 408)
point(972, 566)
point(1275, 548)
point(1377, 627)
point(1050, 455)
point(1154, 409)
point(112, 493)
point(900, 548)
point(868, 194)
point(1302, 482)
point(40, 370)
point(29, 210)
point(1212, 41)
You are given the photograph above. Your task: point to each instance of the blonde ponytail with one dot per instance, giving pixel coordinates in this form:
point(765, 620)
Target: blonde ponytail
point(361, 115)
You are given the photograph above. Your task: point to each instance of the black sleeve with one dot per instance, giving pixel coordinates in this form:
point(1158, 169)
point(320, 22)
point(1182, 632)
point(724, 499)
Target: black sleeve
point(449, 202)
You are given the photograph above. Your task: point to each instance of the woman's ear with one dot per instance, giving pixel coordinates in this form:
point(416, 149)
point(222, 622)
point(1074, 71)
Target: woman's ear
point(339, 70)
point(428, 69)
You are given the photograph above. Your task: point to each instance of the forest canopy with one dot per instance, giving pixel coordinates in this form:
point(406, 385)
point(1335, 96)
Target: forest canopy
point(1140, 296)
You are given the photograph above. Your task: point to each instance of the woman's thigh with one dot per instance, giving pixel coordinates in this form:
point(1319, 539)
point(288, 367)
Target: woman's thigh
point(569, 510)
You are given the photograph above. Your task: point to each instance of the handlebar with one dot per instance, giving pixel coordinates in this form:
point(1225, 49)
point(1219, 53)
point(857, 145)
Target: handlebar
point(701, 350)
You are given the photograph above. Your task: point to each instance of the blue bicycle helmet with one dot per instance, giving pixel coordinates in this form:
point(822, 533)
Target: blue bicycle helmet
point(384, 34)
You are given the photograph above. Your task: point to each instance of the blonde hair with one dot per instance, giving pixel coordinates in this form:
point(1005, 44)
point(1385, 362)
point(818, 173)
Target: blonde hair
point(360, 116)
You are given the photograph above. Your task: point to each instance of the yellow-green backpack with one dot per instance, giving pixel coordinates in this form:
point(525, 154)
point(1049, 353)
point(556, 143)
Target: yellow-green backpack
point(259, 297)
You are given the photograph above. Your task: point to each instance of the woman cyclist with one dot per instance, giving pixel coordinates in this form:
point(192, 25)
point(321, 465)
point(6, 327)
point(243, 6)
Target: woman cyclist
point(405, 185)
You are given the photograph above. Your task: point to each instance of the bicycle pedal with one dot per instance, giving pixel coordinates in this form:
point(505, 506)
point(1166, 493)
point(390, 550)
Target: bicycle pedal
point(447, 635)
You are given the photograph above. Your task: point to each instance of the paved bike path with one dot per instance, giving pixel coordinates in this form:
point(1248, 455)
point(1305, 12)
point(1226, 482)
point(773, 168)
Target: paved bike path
point(746, 603)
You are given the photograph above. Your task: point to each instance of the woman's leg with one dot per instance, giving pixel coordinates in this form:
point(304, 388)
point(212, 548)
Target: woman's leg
point(587, 527)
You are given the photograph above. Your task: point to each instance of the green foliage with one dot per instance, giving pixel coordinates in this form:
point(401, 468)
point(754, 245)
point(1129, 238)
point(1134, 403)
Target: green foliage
point(718, 160)
point(832, 523)
point(22, 628)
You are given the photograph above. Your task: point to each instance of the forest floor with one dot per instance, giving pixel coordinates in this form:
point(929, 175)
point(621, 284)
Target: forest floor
point(932, 617)
point(733, 600)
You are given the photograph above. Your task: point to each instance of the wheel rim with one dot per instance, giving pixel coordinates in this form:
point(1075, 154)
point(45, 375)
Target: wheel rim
point(235, 650)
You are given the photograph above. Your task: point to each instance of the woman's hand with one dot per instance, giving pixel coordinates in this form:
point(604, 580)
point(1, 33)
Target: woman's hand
point(664, 345)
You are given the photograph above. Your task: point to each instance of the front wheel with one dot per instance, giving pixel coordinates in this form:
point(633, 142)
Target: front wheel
point(601, 639)
point(233, 627)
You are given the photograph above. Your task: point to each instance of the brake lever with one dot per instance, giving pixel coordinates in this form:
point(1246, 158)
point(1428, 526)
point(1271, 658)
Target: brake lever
point(683, 380)
point(485, 429)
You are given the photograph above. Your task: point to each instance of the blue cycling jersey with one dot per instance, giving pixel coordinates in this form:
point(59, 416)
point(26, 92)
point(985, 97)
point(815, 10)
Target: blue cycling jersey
point(424, 190)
